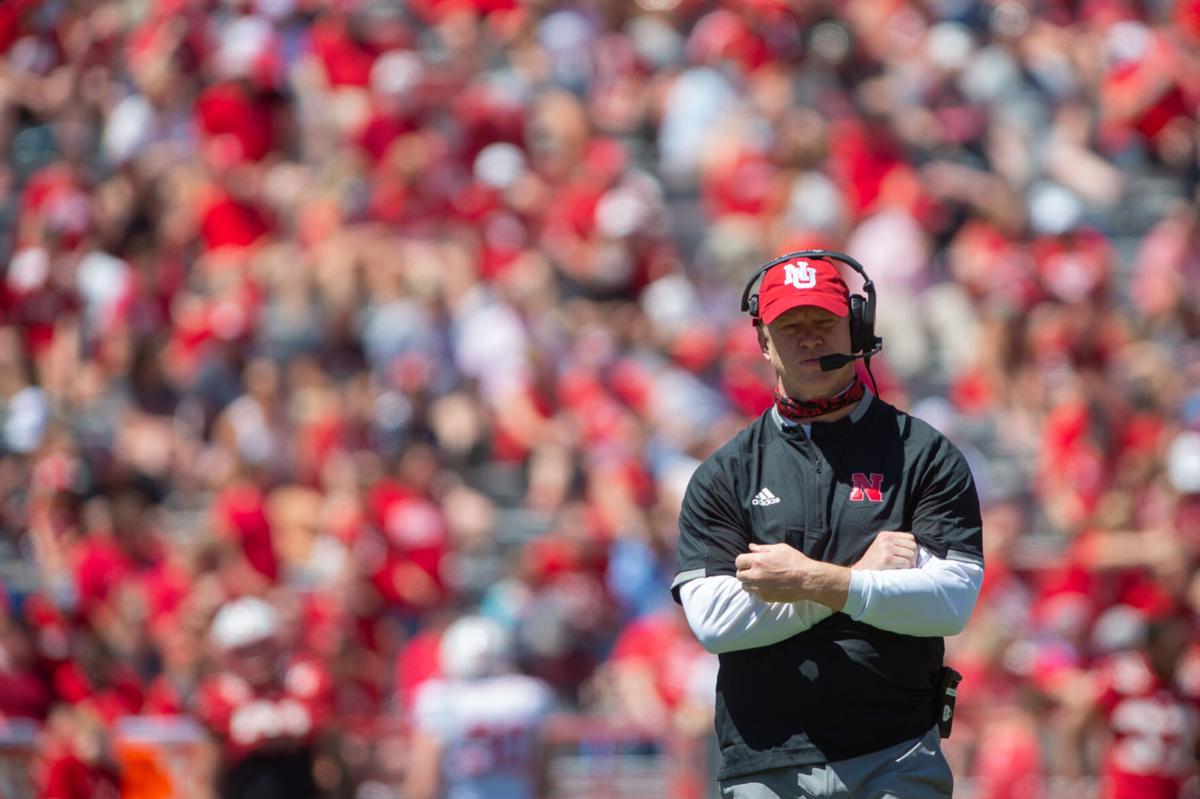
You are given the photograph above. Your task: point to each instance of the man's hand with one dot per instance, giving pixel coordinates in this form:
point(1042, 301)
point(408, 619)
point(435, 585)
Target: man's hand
point(889, 550)
point(774, 572)
point(780, 573)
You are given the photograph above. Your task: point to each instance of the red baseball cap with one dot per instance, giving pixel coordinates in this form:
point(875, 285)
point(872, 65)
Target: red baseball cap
point(803, 281)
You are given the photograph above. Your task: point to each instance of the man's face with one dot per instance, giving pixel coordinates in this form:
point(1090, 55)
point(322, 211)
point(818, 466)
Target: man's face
point(794, 343)
point(257, 663)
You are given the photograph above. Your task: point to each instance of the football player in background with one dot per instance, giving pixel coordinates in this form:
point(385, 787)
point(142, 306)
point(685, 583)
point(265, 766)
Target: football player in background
point(477, 730)
point(1146, 702)
point(265, 707)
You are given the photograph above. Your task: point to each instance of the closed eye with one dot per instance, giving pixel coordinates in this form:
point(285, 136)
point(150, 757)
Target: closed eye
point(823, 326)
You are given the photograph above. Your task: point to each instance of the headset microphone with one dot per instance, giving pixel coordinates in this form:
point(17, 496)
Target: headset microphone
point(831, 363)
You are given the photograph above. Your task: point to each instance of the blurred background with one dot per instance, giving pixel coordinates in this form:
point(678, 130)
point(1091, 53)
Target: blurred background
point(382, 313)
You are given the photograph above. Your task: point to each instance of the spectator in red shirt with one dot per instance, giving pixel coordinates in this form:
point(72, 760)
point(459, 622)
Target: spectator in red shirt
point(1146, 701)
point(76, 761)
point(96, 677)
point(662, 675)
point(24, 690)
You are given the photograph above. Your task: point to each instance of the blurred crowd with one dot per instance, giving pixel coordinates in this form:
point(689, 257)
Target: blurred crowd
point(380, 312)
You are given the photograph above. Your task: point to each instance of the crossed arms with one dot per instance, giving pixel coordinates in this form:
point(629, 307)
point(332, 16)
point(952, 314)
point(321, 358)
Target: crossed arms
point(778, 592)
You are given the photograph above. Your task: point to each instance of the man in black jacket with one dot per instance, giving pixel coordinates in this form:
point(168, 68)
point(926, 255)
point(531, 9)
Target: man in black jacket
point(824, 551)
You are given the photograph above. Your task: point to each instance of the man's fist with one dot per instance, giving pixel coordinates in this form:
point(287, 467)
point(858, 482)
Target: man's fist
point(773, 572)
point(889, 550)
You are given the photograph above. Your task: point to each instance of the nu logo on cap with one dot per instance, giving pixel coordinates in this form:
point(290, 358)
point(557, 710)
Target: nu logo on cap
point(800, 275)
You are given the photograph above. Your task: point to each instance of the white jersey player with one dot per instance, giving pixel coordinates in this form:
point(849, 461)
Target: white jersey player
point(477, 730)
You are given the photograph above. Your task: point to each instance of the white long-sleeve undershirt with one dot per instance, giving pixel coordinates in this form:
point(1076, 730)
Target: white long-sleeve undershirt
point(934, 599)
point(726, 618)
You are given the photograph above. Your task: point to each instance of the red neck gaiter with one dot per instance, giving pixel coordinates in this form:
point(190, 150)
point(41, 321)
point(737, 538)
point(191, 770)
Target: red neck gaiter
point(803, 410)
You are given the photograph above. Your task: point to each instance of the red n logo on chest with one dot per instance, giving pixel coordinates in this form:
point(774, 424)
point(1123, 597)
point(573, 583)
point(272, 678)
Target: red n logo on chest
point(866, 488)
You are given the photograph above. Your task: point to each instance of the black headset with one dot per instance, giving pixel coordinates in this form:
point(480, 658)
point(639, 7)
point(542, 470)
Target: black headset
point(863, 341)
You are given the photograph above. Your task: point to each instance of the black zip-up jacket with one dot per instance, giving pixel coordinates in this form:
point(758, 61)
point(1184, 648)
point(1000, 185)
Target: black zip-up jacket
point(842, 688)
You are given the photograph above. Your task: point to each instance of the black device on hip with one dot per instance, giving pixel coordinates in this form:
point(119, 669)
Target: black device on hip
point(947, 694)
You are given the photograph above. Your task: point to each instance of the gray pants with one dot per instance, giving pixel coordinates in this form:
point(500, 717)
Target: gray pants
point(914, 769)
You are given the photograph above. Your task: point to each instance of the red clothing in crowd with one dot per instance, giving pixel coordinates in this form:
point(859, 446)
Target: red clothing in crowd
point(24, 693)
point(746, 184)
point(164, 697)
point(1010, 765)
point(58, 196)
point(347, 61)
point(13, 21)
point(233, 109)
point(241, 517)
point(119, 693)
point(63, 775)
point(861, 158)
point(418, 662)
point(226, 221)
point(1154, 727)
point(380, 130)
point(246, 718)
point(669, 647)
point(418, 542)
point(103, 567)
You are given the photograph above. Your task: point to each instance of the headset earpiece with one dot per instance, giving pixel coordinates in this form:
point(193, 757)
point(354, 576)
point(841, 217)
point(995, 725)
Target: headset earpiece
point(869, 339)
point(857, 324)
